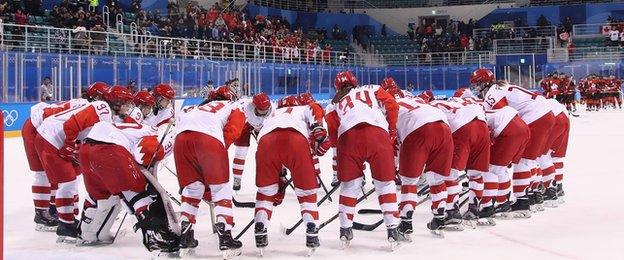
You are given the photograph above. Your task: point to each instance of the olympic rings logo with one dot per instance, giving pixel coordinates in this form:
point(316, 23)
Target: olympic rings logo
point(9, 117)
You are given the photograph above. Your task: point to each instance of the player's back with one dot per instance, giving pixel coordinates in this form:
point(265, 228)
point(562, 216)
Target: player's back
point(414, 113)
point(209, 118)
point(123, 134)
point(360, 105)
point(530, 106)
point(497, 119)
point(52, 130)
point(458, 114)
point(42, 110)
point(297, 117)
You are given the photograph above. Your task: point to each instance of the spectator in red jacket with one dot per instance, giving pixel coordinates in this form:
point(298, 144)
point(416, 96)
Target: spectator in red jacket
point(20, 17)
point(463, 41)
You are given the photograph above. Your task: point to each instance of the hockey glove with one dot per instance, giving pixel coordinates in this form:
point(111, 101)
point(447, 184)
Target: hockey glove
point(393, 137)
point(281, 190)
point(69, 152)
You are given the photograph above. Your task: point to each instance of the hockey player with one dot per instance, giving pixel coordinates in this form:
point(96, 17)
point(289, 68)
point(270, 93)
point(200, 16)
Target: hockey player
point(256, 111)
point(286, 139)
point(557, 141)
point(471, 142)
point(144, 103)
point(364, 133)
point(535, 112)
point(306, 98)
point(44, 191)
point(200, 152)
point(426, 144)
point(163, 111)
point(111, 157)
point(510, 136)
point(56, 144)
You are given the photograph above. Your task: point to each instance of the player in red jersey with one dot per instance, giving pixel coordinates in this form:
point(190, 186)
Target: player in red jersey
point(204, 134)
point(286, 139)
point(361, 121)
point(56, 144)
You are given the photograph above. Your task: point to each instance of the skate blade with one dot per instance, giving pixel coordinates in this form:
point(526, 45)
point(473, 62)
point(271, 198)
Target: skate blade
point(454, 227)
point(486, 222)
point(437, 233)
point(231, 253)
point(470, 223)
point(187, 251)
point(311, 251)
point(560, 200)
point(344, 244)
point(394, 245)
point(503, 215)
point(521, 214)
point(260, 251)
point(44, 228)
point(551, 204)
point(66, 240)
point(81, 243)
point(174, 254)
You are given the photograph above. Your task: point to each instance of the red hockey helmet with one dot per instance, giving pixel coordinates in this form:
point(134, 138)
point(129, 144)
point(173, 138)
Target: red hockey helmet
point(97, 90)
point(261, 101)
point(223, 93)
point(389, 83)
point(345, 79)
point(306, 98)
point(144, 98)
point(426, 95)
point(164, 90)
point(482, 76)
point(288, 101)
point(118, 95)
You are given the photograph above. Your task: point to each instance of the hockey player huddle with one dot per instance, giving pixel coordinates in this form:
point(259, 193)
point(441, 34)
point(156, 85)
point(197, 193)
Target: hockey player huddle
point(507, 142)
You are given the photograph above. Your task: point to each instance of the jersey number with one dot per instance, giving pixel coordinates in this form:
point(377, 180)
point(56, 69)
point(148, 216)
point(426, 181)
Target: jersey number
point(212, 108)
point(347, 103)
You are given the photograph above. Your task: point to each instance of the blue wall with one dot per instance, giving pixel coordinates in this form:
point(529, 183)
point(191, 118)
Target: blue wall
point(580, 14)
point(320, 20)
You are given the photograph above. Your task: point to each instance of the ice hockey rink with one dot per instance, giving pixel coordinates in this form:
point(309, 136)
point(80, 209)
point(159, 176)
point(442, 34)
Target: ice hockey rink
point(590, 225)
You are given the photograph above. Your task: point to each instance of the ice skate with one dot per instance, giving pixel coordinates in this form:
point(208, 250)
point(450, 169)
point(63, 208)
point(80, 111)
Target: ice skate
point(471, 217)
point(44, 221)
point(486, 217)
point(436, 226)
point(560, 193)
point(229, 246)
point(188, 243)
point(503, 210)
point(453, 220)
point(346, 235)
point(236, 186)
point(395, 238)
point(67, 233)
point(536, 201)
point(312, 240)
point(550, 198)
point(262, 239)
point(405, 227)
point(520, 208)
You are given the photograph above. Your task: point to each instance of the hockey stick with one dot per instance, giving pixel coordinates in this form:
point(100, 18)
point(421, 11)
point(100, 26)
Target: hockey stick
point(424, 191)
point(288, 231)
point(371, 227)
point(322, 225)
point(254, 219)
point(150, 165)
point(324, 187)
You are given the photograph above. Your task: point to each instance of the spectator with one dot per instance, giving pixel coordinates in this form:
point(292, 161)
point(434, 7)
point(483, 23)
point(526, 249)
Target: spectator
point(542, 21)
point(614, 35)
point(98, 38)
point(464, 42)
point(383, 30)
point(20, 17)
point(132, 86)
point(46, 90)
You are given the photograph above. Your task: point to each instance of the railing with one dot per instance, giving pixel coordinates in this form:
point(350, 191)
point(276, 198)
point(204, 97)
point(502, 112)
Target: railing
point(439, 58)
point(592, 30)
point(341, 5)
point(50, 39)
point(517, 32)
point(523, 45)
point(604, 54)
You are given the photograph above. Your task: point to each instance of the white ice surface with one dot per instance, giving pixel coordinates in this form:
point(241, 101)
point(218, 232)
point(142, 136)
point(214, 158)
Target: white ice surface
point(590, 225)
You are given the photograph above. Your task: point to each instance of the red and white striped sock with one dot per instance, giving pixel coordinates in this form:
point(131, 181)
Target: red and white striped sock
point(41, 191)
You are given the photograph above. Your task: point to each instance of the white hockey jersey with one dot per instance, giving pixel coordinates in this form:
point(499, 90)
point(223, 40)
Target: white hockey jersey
point(42, 110)
point(299, 118)
point(414, 113)
point(361, 105)
point(459, 114)
point(498, 119)
point(74, 124)
point(530, 106)
point(210, 119)
point(556, 107)
point(256, 121)
point(163, 116)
